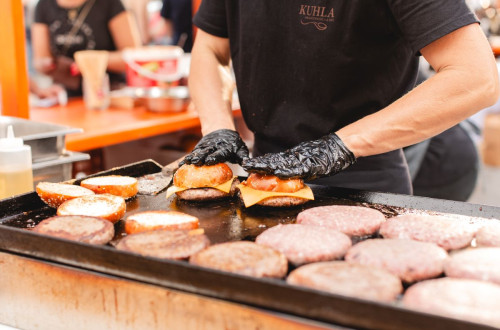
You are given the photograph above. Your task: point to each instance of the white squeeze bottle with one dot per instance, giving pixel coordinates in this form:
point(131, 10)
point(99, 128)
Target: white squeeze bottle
point(16, 175)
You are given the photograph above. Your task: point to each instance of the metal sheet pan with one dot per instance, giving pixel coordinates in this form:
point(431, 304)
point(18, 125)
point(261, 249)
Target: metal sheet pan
point(226, 221)
point(47, 141)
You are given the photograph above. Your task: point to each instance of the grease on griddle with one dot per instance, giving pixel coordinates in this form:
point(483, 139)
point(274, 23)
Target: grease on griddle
point(29, 220)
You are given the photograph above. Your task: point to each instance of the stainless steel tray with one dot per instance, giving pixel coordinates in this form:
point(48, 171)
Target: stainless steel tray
point(47, 140)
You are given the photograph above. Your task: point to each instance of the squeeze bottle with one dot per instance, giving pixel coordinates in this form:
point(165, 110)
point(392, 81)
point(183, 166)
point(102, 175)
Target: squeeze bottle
point(16, 175)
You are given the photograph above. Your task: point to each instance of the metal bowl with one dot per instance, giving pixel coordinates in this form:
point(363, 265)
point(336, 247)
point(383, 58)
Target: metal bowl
point(157, 99)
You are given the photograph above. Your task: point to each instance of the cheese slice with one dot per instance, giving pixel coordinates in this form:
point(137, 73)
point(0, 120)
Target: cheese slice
point(225, 187)
point(252, 196)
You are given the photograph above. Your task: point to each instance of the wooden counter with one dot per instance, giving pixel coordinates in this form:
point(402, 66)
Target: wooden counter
point(43, 295)
point(112, 126)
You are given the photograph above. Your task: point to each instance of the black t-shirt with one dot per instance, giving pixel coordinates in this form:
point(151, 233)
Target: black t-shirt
point(180, 13)
point(304, 69)
point(94, 33)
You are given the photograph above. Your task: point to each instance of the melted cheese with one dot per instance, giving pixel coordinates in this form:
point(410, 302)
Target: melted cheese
point(224, 187)
point(252, 196)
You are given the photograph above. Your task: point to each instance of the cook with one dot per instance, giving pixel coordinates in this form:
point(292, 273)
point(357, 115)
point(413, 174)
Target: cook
point(328, 86)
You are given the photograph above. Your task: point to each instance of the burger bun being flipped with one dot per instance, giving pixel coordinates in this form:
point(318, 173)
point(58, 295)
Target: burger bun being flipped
point(201, 180)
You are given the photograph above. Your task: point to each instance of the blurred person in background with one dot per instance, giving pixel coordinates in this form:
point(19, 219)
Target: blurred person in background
point(139, 8)
point(178, 16)
point(63, 27)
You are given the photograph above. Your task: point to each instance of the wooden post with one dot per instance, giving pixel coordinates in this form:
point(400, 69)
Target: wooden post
point(13, 69)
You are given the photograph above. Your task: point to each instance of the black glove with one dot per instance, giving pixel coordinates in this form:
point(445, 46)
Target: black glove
point(308, 160)
point(218, 147)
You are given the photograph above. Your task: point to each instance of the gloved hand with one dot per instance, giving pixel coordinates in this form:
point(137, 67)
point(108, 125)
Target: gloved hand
point(218, 147)
point(308, 160)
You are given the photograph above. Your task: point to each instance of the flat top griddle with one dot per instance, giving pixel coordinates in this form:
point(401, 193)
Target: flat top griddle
point(223, 221)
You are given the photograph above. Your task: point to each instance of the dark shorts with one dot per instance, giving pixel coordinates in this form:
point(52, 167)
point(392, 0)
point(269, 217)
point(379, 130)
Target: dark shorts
point(449, 167)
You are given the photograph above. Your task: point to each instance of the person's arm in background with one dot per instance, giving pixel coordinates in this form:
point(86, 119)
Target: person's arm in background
point(140, 13)
point(43, 60)
point(125, 34)
point(210, 94)
point(205, 82)
point(465, 82)
point(52, 91)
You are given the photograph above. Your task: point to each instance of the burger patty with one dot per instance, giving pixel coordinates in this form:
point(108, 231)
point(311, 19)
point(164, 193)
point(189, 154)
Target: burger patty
point(480, 264)
point(465, 299)
point(79, 228)
point(246, 258)
point(303, 244)
point(351, 220)
point(409, 260)
point(347, 279)
point(282, 201)
point(448, 233)
point(207, 194)
point(489, 235)
point(165, 244)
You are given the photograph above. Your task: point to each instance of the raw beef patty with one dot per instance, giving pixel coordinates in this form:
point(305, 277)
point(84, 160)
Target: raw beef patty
point(351, 220)
point(475, 263)
point(348, 279)
point(303, 244)
point(409, 260)
point(448, 233)
point(465, 299)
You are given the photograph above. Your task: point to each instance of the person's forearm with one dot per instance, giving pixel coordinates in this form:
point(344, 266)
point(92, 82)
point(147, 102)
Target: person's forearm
point(116, 62)
point(454, 93)
point(125, 34)
point(208, 91)
point(432, 107)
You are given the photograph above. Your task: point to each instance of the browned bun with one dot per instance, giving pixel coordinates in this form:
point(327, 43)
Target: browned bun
point(118, 185)
point(192, 176)
point(154, 220)
point(54, 194)
point(106, 206)
point(273, 183)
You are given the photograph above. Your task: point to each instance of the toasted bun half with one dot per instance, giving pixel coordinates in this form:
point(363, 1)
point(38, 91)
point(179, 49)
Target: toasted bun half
point(106, 206)
point(203, 183)
point(192, 176)
point(118, 185)
point(54, 194)
point(271, 183)
point(153, 220)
